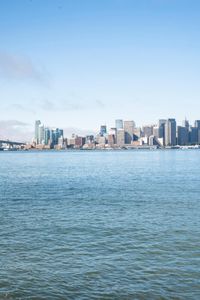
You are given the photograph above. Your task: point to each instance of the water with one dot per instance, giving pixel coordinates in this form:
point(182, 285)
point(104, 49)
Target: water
point(100, 225)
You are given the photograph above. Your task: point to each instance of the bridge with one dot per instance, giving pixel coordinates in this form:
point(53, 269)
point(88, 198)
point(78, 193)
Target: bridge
point(11, 143)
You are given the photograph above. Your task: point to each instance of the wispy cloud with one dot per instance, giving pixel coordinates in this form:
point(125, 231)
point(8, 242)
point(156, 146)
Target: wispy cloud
point(20, 67)
point(70, 105)
point(15, 130)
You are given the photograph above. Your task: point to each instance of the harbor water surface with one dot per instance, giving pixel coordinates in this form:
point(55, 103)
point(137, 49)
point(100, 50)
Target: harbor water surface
point(100, 225)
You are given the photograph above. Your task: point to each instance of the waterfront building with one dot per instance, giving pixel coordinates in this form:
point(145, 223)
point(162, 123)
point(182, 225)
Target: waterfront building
point(103, 130)
point(193, 136)
point(197, 125)
point(120, 137)
point(137, 133)
point(101, 140)
point(170, 132)
point(129, 130)
point(89, 139)
point(112, 136)
point(111, 140)
point(151, 139)
point(147, 130)
point(156, 131)
point(186, 125)
point(55, 134)
point(46, 136)
point(119, 124)
point(61, 142)
point(41, 134)
point(37, 124)
point(161, 128)
point(79, 141)
point(182, 135)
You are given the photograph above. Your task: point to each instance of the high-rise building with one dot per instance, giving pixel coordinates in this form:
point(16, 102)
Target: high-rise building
point(186, 125)
point(137, 133)
point(193, 135)
point(55, 134)
point(103, 130)
point(147, 130)
point(156, 131)
point(119, 124)
point(129, 131)
point(197, 125)
point(170, 132)
point(46, 136)
point(161, 128)
point(182, 136)
point(41, 134)
point(120, 137)
point(37, 124)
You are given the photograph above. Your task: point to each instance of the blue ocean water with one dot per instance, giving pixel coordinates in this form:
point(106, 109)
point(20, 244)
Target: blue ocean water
point(100, 225)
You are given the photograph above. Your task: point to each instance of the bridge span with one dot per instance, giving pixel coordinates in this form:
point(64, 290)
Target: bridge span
point(11, 143)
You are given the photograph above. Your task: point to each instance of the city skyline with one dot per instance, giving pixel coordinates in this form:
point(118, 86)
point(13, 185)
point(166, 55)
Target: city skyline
point(88, 62)
point(13, 130)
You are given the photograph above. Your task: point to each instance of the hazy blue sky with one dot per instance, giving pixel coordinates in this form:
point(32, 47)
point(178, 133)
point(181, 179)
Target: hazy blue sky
point(80, 63)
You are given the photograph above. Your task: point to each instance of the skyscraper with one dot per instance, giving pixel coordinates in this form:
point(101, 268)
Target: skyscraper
point(46, 135)
point(197, 125)
point(37, 124)
point(170, 132)
point(119, 124)
point(120, 137)
point(103, 130)
point(161, 128)
point(129, 131)
point(182, 135)
point(193, 135)
point(41, 134)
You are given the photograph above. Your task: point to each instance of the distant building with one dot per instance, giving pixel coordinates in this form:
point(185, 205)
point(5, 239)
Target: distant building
point(147, 130)
point(186, 125)
point(37, 124)
point(136, 133)
point(182, 135)
point(120, 137)
point(41, 134)
point(197, 125)
point(129, 131)
point(156, 131)
point(46, 136)
point(79, 141)
point(89, 139)
point(103, 130)
point(119, 124)
point(111, 140)
point(170, 132)
point(161, 128)
point(193, 136)
point(112, 136)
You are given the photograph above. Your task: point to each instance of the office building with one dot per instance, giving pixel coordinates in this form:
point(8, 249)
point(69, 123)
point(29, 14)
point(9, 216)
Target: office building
point(182, 136)
point(41, 134)
point(46, 136)
point(147, 130)
point(103, 130)
point(193, 136)
point(120, 137)
point(170, 132)
point(119, 124)
point(129, 131)
point(197, 125)
point(37, 124)
point(161, 128)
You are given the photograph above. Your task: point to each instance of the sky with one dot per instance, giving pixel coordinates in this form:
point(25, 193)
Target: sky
point(82, 63)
